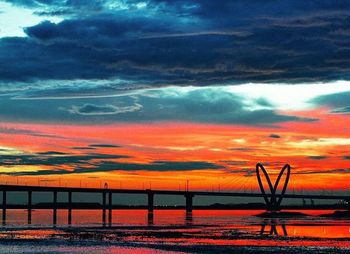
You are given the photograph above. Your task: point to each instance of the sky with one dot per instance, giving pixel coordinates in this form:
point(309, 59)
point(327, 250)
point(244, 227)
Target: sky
point(160, 94)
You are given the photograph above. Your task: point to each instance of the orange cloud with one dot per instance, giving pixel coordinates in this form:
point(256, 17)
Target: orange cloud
point(316, 151)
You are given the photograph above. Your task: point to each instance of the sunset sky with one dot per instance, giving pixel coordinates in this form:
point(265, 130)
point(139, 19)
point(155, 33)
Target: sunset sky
point(152, 94)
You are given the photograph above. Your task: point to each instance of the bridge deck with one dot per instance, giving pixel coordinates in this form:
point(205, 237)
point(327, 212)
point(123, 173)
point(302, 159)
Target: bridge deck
point(110, 206)
point(162, 192)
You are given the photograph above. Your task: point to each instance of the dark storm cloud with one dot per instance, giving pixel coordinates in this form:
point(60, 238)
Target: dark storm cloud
point(52, 153)
point(53, 158)
point(92, 162)
point(339, 102)
point(92, 109)
point(107, 166)
point(104, 146)
point(154, 166)
point(83, 148)
point(183, 42)
point(320, 157)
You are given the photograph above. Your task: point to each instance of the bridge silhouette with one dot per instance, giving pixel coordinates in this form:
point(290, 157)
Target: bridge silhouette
point(272, 199)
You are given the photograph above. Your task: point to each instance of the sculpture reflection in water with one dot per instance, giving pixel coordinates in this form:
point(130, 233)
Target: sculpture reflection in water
point(273, 227)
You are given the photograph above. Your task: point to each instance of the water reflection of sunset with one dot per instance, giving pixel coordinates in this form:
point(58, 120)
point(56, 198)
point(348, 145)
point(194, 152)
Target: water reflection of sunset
point(236, 228)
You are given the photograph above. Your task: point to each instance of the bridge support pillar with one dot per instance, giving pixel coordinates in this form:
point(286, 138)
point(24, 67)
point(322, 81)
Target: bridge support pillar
point(54, 208)
point(29, 207)
point(189, 202)
point(69, 208)
point(4, 204)
point(104, 208)
point(110, 205)
point(150, 201)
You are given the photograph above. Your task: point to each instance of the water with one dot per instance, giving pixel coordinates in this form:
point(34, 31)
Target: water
point(173, 231)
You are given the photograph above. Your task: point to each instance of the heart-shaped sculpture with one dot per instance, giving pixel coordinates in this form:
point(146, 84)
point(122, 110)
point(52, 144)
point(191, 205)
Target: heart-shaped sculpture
point(272, 203)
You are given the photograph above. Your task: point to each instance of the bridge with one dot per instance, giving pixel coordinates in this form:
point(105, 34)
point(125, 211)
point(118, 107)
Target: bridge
point(272, 199)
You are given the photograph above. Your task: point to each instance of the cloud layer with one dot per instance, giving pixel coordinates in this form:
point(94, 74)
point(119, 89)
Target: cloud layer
point(62, 163)
point(203, 105)
point(338, 102)
point(157, 43)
